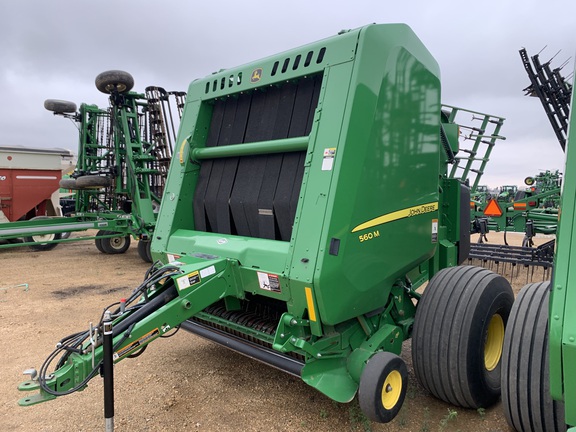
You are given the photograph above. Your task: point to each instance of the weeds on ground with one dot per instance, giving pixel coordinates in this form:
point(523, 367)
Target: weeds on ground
point(452, 415)
point(426, 424)
point(358, 419)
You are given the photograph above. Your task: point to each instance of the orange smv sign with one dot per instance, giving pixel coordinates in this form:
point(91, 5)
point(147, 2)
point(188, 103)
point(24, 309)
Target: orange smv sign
point(493, 209)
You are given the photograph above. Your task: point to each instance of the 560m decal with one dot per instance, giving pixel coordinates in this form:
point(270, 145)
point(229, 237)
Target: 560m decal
point(399, 214)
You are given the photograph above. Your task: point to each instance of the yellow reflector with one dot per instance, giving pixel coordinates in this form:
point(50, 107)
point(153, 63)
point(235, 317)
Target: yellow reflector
point(519, 206)
point(310, 302)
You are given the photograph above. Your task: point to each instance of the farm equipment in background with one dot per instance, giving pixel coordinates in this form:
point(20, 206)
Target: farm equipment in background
point(538, 374)
point(552, 89)
point(29, 182)
point(124, 153)
point(311, 194)
point(507, 193)
point(481, 196)
point(535, 209)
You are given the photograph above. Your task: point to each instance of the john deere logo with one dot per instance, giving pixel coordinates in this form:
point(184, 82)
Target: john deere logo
point(256, 75)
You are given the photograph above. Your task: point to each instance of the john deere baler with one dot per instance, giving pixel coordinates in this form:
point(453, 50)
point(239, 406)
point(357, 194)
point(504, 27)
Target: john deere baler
point(307, 200)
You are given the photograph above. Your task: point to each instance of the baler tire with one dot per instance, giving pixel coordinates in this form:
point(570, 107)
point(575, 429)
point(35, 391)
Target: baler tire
point(526, 398)
point(39, 238)
point(114, 81)
point(59, 106)
point(459, 333)
point(144, 250)
point(383, 386)
point(115, 245)
point(68, 183)
point(93, 182)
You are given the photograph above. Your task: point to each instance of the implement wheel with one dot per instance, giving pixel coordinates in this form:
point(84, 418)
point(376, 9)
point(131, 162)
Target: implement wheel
point(383, 387)
point(68, 183)
point(115, 245)
point(114, 81)
point(526, 398)
point(144, 250)
point(93, 182)
point(459, 333)
point(98, 241)
point(41, 240)
point(59, 106)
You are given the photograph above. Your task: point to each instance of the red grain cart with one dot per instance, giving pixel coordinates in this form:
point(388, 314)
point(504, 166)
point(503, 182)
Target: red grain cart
point(29, 182)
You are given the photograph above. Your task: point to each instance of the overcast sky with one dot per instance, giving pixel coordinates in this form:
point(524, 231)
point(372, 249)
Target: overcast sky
point(54, 50)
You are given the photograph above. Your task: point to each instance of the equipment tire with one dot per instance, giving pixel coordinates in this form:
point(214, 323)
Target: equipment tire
point(68, 183)
point(458, 335)
point(383, 386)
point(144, 250)
point(60, 106)
point(93, 181)
point(519, 195)
point(526, 398)
point(114, 81)
point(98, 241)
point(115, 245)
point(43, 238)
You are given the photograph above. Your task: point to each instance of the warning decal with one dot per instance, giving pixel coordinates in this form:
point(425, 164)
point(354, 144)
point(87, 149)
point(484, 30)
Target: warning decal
point(131, 347)
point(493, 209)
point(328, 159)
point(434, 230)
point(188, 280)
point(269, 282)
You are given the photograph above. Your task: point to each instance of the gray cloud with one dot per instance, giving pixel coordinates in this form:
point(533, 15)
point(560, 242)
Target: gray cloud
point(55, 50)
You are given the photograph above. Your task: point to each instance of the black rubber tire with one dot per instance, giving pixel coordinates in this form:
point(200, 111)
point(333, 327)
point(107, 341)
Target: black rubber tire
point(98, 241)
point(93, 182)
point(144, 250)
point(519, 195)
point(68, 183)
point(114, 81)
point(60, 106)
point(377, 371)
point(526, 398)
point(40, 246)
point(451, 331)
point(529, 181)
point(115, 245)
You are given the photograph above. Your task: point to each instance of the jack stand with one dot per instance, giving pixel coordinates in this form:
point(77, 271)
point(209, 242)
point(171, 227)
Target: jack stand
point(108, 372)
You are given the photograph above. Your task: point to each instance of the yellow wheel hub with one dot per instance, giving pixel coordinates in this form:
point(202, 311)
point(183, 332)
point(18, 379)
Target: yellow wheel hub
point(391, 389)
point(494, 342)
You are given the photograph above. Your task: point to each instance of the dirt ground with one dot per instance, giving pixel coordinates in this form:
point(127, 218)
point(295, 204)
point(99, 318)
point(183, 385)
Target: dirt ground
point(183, 383)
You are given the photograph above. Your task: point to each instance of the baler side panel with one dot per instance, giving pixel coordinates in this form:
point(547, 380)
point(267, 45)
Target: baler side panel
point(386, 162)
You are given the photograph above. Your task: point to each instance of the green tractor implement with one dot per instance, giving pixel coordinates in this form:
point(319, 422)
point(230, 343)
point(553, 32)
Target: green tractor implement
point(538, 374)
point(535, 209)
point(308, 200)
point(124, 153)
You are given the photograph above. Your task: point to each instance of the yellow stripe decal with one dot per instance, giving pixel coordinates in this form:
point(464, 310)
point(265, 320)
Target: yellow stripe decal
point(399, 214)
point(310, 301)
point(182, 151)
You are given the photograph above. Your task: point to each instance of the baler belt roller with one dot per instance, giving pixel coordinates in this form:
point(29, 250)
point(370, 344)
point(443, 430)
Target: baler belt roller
point(254, 190)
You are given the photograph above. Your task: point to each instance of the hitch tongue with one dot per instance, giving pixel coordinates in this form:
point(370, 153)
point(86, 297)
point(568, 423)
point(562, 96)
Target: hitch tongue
point(32, 372)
